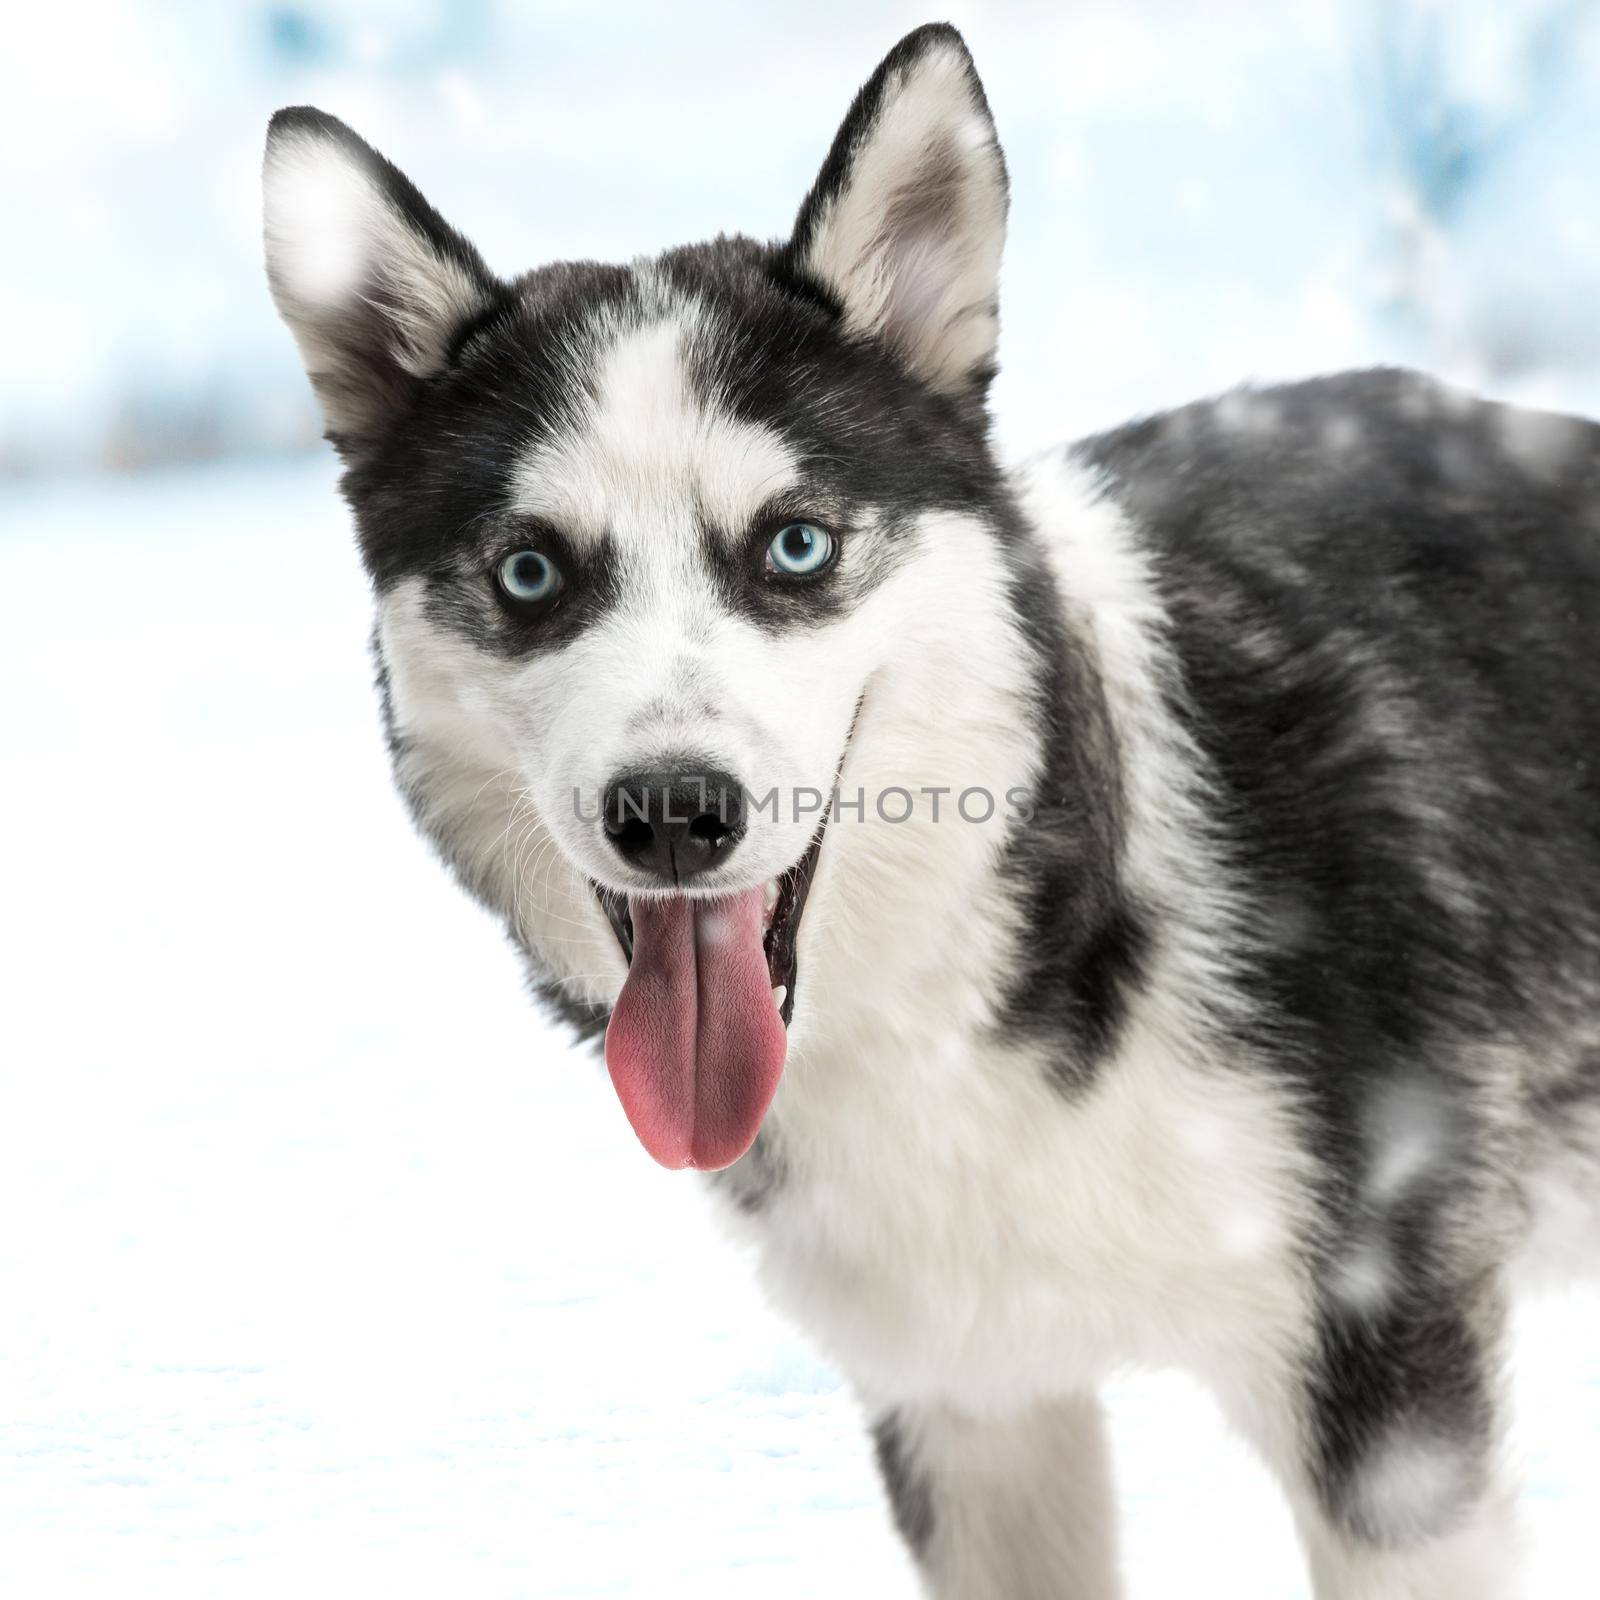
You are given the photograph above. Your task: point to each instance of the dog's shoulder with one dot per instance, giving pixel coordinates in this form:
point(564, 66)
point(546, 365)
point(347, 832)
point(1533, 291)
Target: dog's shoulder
point(1383, 596)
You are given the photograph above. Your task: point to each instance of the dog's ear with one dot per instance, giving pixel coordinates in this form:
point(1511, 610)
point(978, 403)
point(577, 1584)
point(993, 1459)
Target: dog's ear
point(371, 280)
point(905, 223)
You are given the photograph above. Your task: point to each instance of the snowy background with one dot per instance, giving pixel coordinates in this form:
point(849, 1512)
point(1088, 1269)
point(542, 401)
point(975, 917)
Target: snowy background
point(324, 1265)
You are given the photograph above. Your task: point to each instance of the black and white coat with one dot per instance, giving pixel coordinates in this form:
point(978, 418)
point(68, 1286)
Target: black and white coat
point(1264, 1044)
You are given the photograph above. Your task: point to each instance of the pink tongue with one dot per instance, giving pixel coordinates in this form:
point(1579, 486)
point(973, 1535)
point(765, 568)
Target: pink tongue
point(696, 1046)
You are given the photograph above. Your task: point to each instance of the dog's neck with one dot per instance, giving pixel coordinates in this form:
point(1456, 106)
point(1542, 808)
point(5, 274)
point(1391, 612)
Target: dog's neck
point(939, 929)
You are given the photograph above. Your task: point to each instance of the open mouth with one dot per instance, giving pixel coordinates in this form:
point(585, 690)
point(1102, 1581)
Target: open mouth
point(784, 903)
point(699, 1034)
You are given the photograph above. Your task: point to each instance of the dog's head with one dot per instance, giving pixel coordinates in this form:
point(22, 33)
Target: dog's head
point(644, 539)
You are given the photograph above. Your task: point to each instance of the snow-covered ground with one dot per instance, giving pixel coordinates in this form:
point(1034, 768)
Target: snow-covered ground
point(325, 1266)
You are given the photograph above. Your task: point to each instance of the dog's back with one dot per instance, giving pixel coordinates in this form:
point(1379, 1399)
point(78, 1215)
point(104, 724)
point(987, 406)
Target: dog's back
point(1385, 600)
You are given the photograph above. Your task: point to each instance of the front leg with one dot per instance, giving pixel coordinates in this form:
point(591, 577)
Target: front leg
point(1423, 1507)
point(1476, 1559)
point(1408, 1496)
point(1011, 1508)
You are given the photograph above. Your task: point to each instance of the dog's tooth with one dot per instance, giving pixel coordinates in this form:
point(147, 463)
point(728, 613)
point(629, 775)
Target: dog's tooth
point(772, 893)
point(779, 995)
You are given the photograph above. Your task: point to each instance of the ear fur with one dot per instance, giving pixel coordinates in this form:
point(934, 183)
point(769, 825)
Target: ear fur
point(905, 224)
point(372, 282)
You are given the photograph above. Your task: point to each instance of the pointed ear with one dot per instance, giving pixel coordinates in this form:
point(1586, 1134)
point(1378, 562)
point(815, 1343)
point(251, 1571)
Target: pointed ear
point(372, 282)
point(906, 221)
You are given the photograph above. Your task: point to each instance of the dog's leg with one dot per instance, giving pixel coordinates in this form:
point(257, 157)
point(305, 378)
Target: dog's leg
point(1476, 1559)
point(1011, 1508)
point(1405, 1493)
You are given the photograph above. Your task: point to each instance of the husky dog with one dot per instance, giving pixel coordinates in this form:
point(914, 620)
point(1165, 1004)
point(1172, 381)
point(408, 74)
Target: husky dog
point(1239, 1009)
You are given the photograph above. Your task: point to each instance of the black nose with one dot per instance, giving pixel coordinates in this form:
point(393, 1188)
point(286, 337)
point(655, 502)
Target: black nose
point(674, 825)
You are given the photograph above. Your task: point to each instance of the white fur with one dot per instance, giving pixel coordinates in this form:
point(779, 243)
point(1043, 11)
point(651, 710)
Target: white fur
point(331, 239)
point(958, 1236)
point(458, 713)
point(1563, 1197)
point(911, 244)
point(529, 746)
point(647, 464)
point(945, 1209)
point(1036, 1517)
point(1477, 1558)
point(643, 459)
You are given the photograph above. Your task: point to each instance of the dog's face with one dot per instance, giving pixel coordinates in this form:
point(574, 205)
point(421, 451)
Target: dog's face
point(643, 537)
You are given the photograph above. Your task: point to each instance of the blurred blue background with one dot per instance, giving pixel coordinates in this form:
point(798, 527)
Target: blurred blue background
point(328, 1266)
point(1202, 194)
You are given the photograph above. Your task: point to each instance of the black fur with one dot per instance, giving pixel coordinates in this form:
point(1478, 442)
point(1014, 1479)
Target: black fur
point(756, 1176)
point(909, 1489)
point(1385, 599)
point(1084, 944)
point(431, 497)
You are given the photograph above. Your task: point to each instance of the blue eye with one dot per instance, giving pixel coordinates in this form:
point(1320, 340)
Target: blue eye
point(529, 578)
point(800, 550)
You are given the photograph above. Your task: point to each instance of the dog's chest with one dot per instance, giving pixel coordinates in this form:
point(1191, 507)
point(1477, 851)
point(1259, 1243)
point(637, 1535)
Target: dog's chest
point(955, 1227)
